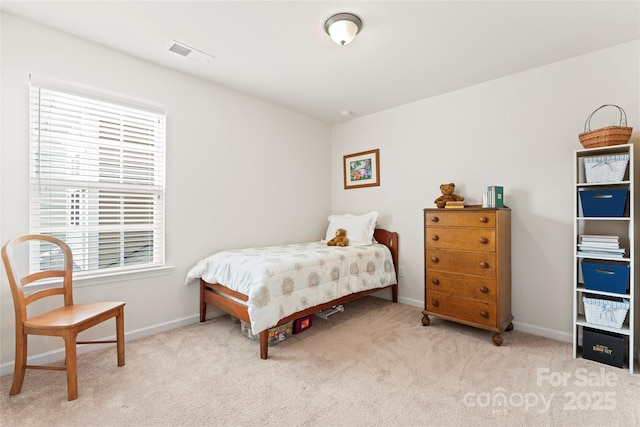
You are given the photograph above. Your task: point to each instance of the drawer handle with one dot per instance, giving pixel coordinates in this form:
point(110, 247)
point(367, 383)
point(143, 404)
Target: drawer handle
point(484, 240)
point(484, 314)
point(435, 237)
point(484, 219)
point(435, 259)
point(435, 281)
point(484, 289)
point(435, 303)
point(435, 219)
point(484, 265)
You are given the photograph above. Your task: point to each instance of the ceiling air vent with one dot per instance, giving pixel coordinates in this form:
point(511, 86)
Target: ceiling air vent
point(189, 52)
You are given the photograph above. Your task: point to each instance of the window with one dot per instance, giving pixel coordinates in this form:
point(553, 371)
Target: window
point(96, 179)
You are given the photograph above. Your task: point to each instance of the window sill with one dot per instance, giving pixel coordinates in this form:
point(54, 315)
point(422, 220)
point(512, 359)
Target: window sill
point(101, 279)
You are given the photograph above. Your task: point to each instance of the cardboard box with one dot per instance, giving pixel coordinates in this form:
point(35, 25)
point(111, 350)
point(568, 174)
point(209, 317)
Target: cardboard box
point(276, 334)
point(302, 324)
point(604, 275)
point(604, 202)
point(603, 347)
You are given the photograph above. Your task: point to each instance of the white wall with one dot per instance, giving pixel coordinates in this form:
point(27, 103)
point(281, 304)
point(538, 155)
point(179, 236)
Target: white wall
point(520, 132)
point(240, 171)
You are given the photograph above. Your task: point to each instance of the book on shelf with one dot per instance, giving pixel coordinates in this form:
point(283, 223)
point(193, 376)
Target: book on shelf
point(493, 197)
point(601, 254)
point(454, 205)
point(599, 237)
point(598, 240)
point(590, 247)
point(616, 252)
point(600, 244)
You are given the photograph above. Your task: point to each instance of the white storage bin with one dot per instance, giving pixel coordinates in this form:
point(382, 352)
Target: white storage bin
point(605, 168)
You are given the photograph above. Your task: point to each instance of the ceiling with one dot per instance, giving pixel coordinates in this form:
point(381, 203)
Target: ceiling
point(407, 50)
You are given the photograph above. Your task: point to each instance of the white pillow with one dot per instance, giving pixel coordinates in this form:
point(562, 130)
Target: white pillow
point(359, 227)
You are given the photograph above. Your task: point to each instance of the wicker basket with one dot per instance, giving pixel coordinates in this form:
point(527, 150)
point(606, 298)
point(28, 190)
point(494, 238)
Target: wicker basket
point(605, 168)
point(604, 312)
point(610, 135)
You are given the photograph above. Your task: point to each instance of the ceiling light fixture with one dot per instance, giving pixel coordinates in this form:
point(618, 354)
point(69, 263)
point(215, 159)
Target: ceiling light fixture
point(343, 27)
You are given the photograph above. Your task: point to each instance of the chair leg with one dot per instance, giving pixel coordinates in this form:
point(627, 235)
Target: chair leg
point(71, 361)
point(20, 363)
point(120, 336)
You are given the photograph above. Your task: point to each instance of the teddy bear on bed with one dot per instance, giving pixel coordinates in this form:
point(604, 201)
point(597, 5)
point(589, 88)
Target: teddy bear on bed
point(340, 239)
point(448, 195)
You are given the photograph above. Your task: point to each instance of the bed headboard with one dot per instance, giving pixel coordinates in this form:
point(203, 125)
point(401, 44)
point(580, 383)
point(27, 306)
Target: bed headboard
point(390, 240)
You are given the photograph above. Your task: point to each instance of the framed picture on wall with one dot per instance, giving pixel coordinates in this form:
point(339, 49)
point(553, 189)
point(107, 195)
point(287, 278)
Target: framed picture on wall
point(362, 169)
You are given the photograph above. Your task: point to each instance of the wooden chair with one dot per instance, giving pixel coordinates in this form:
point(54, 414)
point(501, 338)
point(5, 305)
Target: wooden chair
point(65, 322)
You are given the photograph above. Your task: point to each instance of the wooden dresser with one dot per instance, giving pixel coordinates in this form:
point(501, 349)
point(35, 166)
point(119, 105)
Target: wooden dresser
point(468, 267)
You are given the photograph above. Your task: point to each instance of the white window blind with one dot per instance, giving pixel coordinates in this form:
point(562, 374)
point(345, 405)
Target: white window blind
point(97, 173)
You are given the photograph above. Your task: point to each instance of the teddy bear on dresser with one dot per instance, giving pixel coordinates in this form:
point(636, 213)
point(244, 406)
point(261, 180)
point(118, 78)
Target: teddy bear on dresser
point(340, 239)
point(448, 195)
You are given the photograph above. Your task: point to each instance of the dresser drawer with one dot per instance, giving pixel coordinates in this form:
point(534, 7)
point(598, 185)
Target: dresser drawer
point(469, 310)
point(475, 263)
point(462, 286)
point(447, 218)
point(468, 239)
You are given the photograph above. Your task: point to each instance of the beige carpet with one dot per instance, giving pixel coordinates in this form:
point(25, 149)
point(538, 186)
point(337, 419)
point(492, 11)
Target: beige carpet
point(373, 365)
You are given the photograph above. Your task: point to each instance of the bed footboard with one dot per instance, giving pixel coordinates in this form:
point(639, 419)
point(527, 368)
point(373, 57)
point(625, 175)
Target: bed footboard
point(222, 298)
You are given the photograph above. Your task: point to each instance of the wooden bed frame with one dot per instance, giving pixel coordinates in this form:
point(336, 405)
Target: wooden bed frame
point(218, 296)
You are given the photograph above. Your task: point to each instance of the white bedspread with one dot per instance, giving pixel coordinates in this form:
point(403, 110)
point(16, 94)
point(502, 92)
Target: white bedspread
point(282, 280)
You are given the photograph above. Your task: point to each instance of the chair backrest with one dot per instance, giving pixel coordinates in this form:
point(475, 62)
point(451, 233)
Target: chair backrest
point(17, 280)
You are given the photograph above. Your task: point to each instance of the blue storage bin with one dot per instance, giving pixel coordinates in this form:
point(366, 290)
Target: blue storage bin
point(607, 276)
point(604, 202)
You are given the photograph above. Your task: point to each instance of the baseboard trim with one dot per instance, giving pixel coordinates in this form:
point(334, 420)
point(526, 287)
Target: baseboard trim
point(524, 327)
point(57, 355)
point(53, 356)
point(543, 332)
point(412, 302)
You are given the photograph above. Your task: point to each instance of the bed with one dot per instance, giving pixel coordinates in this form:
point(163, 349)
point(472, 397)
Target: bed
point(269, 287)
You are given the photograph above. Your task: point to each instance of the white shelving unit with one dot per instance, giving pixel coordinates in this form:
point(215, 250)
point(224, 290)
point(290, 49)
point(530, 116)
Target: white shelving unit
point(624, 227)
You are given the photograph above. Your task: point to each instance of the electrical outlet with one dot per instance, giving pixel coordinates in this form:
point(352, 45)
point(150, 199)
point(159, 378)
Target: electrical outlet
point(401, 271)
